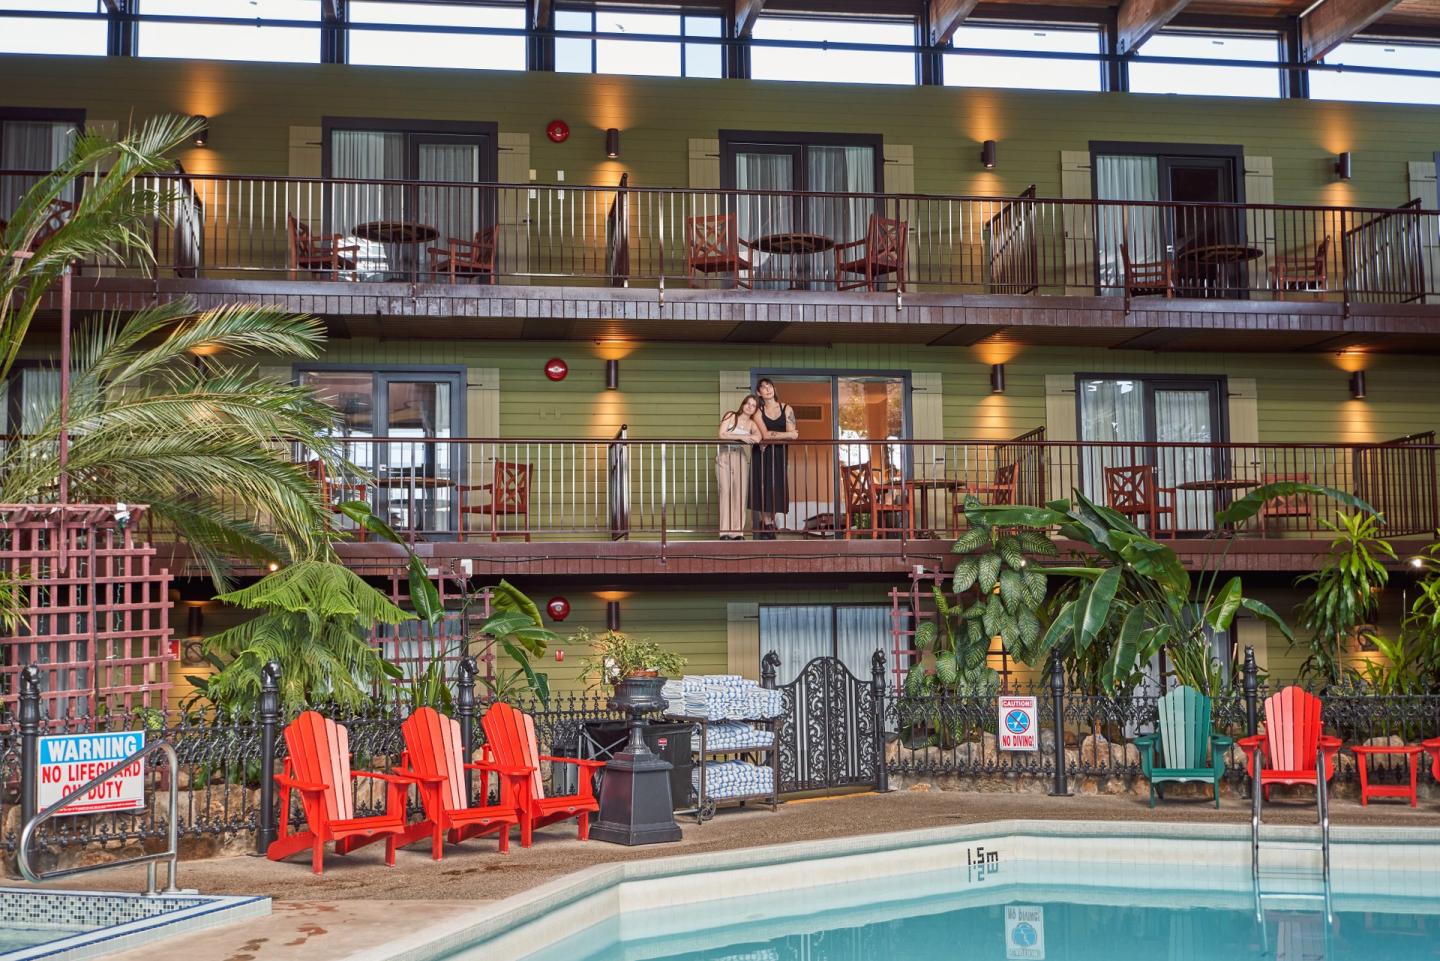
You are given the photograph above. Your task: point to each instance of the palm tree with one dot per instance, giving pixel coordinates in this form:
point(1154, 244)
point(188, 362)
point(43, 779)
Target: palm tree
point(166, 407)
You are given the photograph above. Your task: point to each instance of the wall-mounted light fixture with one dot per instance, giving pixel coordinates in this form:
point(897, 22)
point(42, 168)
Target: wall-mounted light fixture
point(612, 375)
point(202, 133)
point(987, 154)
point(997, 378)
point(1343, 166)
point(612, 143)
point(612, 615)
point(1357, 385)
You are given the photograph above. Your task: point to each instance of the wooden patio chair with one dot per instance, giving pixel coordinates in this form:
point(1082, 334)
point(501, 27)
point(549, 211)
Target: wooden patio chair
point(1147, 278)
point(881, 254)
point(510, 744)
point(999, 491)
point(57, 216)
point(1183, 748)
point(509, 492)
point(712, 246)
point(879, 501)
point(319, 255)
point(434, 759)
point(318, 768)
point(334, 493)
point(1292, 741)
point(1295, 505)
point(1300, 272)
point(1133, 492)
point(466, 258)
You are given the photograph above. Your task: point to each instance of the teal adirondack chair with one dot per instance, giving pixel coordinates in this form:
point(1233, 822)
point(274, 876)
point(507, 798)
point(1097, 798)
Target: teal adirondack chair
point(1178, 751)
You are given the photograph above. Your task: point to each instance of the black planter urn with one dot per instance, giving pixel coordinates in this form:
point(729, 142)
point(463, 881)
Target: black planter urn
point(635, 803)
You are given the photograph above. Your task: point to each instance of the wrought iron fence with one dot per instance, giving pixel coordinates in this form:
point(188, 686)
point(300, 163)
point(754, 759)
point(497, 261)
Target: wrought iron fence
point(229, 227)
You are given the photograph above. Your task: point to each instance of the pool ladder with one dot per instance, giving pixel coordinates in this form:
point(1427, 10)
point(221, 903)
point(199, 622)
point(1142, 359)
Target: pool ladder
point(1322, 813)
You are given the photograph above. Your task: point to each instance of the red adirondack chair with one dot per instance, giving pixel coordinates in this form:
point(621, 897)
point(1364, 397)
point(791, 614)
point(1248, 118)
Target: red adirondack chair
point(318, 766)
point(434, 760)
point(510, 743)
point(1292, 738)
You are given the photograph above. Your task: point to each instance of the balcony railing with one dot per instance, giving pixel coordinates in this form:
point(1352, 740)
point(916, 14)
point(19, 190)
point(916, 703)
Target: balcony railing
point(229, 227)
point(659, 490)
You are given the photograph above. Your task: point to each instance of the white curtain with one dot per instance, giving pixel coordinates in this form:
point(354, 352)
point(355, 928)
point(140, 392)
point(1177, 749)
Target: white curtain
point(33, 145)
point(1183, 417)
point(453, 211)
point(367, 155)
point(799, 634)
point(838, 170)
point(1125, 177)
point(1110, 410)
point(759, 216)
point(859, 633)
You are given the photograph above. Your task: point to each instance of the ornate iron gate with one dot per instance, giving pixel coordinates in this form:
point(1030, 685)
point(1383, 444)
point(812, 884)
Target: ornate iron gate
point(828, 736)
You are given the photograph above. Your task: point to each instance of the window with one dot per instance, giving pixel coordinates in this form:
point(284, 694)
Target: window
point(437, 48)
point(974, 70)
point(653, 58)
point(52, 34)
point(1333, 85)
point(242, 40)
point(834, 66)
point(792, 163)
point(1143, 411)
point(34, 141)
point(799, 633)
point(1216, 81)
point(436, 154)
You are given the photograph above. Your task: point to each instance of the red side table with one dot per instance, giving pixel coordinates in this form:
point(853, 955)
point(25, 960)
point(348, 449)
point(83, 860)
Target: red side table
point(1412, 754)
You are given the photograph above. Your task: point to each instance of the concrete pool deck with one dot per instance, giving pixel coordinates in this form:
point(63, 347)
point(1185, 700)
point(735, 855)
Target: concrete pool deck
point(360, 903)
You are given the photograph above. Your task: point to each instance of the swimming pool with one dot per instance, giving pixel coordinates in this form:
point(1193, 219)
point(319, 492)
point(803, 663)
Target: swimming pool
point(1020, 891)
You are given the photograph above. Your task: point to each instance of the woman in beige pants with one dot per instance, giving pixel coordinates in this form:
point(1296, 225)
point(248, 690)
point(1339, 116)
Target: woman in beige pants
point(737, 433)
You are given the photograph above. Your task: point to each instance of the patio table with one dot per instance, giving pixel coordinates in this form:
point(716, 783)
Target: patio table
point(796, 243)
point(402, 234)
point(410, 483)
point(1367, 790)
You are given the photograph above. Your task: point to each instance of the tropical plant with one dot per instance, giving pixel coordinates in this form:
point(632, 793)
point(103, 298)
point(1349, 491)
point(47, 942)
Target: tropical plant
point(160, 413)
point(113, 217)
point(1345, 593)
point(514, 626)
point(615, 656)
point(315, 619)
point(1140, 600)
point(996, 592)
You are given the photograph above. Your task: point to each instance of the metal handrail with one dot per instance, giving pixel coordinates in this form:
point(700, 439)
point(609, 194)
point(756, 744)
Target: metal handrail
point(1322, 812)
point(171, 854)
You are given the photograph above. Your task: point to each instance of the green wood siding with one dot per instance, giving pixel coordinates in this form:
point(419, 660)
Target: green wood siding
point(253, 106)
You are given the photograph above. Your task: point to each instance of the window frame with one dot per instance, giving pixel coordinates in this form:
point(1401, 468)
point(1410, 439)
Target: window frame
point(1237, 31)
point(731, 140)
point(682, 39)
point(916, 52)
point(490, 159)
point(1096, 27)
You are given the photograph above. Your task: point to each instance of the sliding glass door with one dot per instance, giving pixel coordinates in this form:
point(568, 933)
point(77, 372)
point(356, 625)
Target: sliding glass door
point(415, 474)
point(35, 145)
point(800, 633)
point(800, 163)
point(1138, 415)
point(394, 223)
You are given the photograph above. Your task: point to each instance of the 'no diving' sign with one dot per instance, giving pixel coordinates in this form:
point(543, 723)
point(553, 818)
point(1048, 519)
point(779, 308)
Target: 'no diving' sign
point(1024, 932)
point(1018, 728)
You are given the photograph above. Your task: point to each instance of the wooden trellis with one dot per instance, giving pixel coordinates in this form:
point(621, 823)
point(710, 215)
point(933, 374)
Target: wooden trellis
point(94, 609)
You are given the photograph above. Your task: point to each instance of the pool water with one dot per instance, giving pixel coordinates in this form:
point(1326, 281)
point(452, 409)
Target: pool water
point(16, 938)
point(949, 915)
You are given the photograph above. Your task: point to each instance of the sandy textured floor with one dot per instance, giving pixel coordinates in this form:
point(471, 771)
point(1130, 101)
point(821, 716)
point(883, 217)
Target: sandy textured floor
point(474, 871)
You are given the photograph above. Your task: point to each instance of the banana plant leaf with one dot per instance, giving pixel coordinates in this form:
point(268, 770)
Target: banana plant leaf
point(1244, 508)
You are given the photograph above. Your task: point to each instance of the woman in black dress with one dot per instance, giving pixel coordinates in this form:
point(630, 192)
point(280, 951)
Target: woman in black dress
point(769, 485)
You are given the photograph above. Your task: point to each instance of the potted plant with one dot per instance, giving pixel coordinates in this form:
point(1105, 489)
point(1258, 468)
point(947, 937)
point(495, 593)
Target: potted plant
point(636, 668)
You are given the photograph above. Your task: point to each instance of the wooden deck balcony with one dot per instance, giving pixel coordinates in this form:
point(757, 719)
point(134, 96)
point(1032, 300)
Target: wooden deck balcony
point(849, 508)
point(535, 260)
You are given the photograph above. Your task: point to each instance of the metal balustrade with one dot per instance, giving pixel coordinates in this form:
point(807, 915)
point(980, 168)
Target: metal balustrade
point(223, 227)
point(557, 489)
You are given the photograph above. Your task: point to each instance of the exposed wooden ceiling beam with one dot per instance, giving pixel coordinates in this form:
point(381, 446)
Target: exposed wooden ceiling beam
point(1333, 22)
point(746, 13)
point(114, 6)
point(330, 11)
point(541, 16)
point(1138, 21)
point(946, 17)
